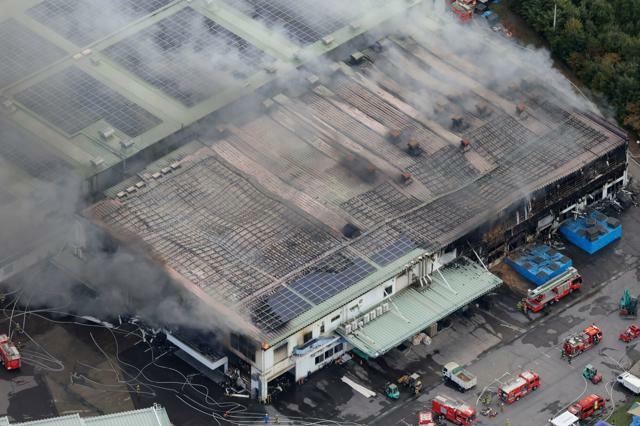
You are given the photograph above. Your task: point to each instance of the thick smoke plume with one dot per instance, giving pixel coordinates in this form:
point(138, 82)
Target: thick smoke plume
point(123, 278)
point(128, 280)
point(502, 61)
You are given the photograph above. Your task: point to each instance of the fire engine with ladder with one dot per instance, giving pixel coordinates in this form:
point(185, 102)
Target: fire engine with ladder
point(576, 344)
point(552, 291)
point(9, 353)
point(518, 387)
point(454, 410)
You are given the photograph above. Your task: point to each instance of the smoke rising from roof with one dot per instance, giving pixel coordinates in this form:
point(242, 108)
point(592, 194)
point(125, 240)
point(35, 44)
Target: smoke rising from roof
point(128, 279)
point(123, 279)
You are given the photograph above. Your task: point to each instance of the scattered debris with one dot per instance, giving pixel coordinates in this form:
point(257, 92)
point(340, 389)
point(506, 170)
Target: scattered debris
point(367, 393)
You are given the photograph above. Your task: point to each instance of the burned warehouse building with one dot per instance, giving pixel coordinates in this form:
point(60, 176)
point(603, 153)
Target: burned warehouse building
point(320, 175)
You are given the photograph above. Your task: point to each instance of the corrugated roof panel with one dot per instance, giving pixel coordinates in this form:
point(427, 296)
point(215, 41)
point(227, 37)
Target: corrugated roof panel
point(70, 420)
point(152, 416)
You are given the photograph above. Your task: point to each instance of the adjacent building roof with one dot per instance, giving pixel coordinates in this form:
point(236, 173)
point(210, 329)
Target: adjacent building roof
point(69, 75)
point(152, 416)
point(414, 309)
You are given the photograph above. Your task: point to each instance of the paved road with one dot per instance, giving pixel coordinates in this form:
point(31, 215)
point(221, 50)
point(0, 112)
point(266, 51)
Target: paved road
point(634, 168)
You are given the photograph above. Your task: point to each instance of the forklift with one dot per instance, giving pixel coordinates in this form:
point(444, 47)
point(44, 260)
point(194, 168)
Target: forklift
point(591, 373)
point(392, 391)
point(628, 305)
point(413, 382)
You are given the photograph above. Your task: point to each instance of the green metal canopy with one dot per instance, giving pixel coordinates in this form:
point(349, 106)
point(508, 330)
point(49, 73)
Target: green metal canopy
point(414, 309)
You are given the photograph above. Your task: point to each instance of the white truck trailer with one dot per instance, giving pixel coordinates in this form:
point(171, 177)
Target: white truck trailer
point(460, 377)
point(565, 419)
point(630, 382)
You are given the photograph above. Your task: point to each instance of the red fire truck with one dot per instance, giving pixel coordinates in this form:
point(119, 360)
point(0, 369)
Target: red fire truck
point(454, 410)
point(9, 353)
point(587, 406)
point(518, 387)
point(463, 9)
point(576, 344)
point(425, 418)
point(632, 332)
point(552, 291)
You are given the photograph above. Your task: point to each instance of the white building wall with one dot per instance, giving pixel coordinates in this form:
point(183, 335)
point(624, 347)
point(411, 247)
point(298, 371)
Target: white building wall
point(352, 310)
point(356, 308)
point(306, 364)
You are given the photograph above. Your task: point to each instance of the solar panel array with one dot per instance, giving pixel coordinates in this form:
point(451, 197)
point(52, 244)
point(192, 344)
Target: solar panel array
point(394, 251)
point(86, 21)
point(317, 284)
point(305, 21)
point(23, 52)
point(17, 146)
point(73, 100)
point(287, 305)
point(322, 285)
point(216, 57)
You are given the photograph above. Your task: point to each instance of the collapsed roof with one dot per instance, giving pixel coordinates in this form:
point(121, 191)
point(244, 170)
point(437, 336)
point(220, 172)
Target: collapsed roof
point(406, 146)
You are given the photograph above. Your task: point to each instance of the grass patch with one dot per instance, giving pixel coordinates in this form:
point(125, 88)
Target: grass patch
point(620, 416)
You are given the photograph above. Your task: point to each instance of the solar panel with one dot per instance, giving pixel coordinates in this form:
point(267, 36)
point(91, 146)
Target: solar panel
point(305, 21)
point(85, 21)
point(21, 149)
point(188, 56)
point(73, 100)
point(320, 286)
point(287, 305)
point(23, 52)
point(394, 251)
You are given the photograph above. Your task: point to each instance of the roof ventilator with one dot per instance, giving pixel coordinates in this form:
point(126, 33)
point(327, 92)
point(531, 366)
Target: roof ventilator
point(107, 133)
point(97, 161)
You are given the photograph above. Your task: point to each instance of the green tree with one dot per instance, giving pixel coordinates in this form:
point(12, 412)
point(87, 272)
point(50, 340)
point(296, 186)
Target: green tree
point(600, 41)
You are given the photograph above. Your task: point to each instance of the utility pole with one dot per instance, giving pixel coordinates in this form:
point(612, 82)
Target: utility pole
point(555, 14)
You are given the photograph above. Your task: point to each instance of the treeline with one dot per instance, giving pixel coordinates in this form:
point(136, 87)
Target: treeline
point(600, 42)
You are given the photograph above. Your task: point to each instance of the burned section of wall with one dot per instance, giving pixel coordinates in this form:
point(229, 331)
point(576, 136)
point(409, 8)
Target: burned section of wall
point(505, 232)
